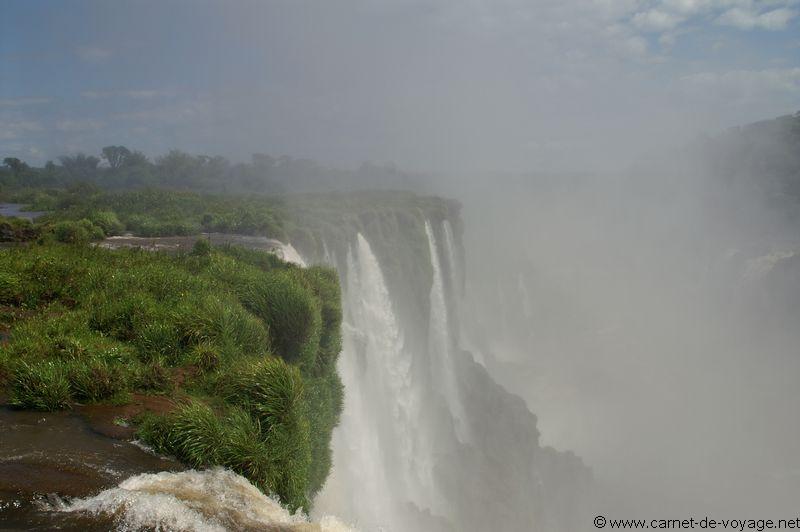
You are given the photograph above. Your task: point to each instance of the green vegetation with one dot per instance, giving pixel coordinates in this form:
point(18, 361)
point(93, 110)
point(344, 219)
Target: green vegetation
point(177, 170)
point(151, 212)
point(17, 230)
point(246, 344)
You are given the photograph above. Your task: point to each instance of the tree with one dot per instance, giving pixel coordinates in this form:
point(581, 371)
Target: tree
point(116, 156)
point(80, 166)
point(136, 158)
point(15, 165)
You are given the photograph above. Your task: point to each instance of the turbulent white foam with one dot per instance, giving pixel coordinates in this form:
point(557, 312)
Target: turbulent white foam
point(204, 501)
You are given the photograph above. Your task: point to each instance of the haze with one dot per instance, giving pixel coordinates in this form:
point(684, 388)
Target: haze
point(617, 242)
point(437, 86)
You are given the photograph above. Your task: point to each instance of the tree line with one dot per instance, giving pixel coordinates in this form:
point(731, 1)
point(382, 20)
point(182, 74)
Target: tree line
point(118, 167)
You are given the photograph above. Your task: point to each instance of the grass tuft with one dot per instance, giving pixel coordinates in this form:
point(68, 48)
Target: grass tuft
point(41, 386)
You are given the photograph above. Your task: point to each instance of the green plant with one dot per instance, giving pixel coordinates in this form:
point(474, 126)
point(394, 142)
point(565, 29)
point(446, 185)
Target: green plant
point(202, 247)
point(154, 376)
point(108, 222)
point(40, 386)
point(77, 232)
point(10, 288)
point(292, 312)
point(96, 378)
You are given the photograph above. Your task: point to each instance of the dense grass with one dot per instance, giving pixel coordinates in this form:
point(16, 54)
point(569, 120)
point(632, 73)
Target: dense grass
point(200, 325)
point(247, 342)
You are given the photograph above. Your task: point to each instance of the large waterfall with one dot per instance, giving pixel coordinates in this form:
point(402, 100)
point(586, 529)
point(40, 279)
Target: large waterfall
point(427, 441)
point(440, 341)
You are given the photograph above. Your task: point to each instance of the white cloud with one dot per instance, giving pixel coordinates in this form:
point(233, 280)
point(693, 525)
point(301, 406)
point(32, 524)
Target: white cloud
point(742, 86)
point(748, 19)
point(14, 129)
point(79, 125)
point(660, 16)
point(93, 54)
point(20, 102)
point(656, 20)
point(138, 94)
point(176, 113)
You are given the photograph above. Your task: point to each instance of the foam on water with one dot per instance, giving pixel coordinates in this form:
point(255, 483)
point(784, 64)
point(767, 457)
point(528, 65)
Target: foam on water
point(214, 500)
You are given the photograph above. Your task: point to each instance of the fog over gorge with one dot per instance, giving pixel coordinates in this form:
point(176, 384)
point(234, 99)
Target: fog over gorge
point(545, 257)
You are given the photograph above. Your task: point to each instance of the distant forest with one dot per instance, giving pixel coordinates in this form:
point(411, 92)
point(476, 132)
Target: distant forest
point(764, 156)
point(118, 167)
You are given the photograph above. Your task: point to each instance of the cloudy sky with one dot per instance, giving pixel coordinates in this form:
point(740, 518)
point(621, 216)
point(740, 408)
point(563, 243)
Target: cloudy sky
point(460, 85)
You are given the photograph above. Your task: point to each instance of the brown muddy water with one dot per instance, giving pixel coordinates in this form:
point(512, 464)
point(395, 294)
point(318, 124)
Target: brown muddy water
point(47, 458)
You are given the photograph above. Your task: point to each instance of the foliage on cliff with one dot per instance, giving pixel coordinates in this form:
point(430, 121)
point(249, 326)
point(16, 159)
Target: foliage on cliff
point(245, 343)
point(153, 212)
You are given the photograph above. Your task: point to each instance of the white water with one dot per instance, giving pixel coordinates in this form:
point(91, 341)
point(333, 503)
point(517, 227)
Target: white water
point(289, 254)
point(215, 500)
point(440, 343)
point(383, 455)
point(453, 263)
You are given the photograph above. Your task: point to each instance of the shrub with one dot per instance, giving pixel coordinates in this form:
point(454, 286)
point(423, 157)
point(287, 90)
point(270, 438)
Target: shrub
point(324, 397)
point(40, 386)
point(126, 316)
point(96, 378)
point(223, 323)
point(157, 338)
point(202, 247)
point(108, 222)
point(198, 436)
point(272, 392)
point(154, 376)
point(10, 288)
point(80, 232)
point(47, 277)
point(324, 282)
point(17, 230)
point(204, 356)
point(292, 313)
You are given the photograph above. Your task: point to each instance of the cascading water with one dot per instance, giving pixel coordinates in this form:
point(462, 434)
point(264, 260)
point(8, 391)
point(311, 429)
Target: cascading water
point(379, 456)
point(453, 264)
point(440, 342)
point(425, 432)
point(214, 500)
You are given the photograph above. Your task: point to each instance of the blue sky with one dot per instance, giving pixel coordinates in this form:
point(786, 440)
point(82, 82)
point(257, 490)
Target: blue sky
point(448, 86)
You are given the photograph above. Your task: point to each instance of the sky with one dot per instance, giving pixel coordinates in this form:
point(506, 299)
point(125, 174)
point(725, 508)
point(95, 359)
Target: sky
point(443, 86)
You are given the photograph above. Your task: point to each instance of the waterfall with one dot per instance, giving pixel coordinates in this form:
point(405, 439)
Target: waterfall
point(456, 279)
point(425, 432)
point(380, 459)
point(290, 254)
point(440, 342)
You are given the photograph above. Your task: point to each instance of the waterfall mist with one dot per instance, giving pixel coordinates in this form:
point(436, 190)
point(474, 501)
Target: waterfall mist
point(647, 319)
